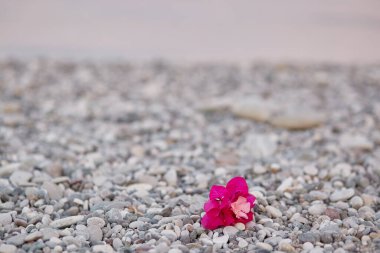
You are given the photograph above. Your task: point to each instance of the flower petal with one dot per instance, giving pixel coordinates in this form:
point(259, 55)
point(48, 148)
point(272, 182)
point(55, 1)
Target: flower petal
point(243, 220)
point(236, 187)
point(211, 222)
point(251, 199)
point(217, 192)
point(211, 204)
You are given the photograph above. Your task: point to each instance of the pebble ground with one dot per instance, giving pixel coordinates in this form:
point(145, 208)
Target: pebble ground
point(118, 157)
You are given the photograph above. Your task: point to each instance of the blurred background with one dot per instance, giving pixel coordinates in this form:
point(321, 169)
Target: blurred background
point(338, 31)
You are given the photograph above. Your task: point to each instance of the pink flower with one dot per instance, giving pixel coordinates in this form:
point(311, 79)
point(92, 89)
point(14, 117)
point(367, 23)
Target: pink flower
point(228, 205)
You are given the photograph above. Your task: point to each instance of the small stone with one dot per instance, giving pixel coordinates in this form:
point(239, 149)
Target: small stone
point(48, 233)
point(66, 222)
point(286, 247)
point(230, 230)
point(261, 145)
point(259, 169)
point(136, 224)
point(356, 202)
point(253, 108)
point(16, 240)
point(8, 248)
point(326, 238)
point(311, 170)
point(171, 177)
point(317, 209)
point(53, 190)
point(5, 218)
point(308, 237)
point(117, 243)
point(170, 234)
point(240, 226)
point(221, 239)
point(175, 251)
point(307, 246)
point(356, 142)
point(285, 185)
point(342, 195)
point(366, 213)
point(96, 234)
point(102, 249)
point(242, 243)
point(264, 246)
point(298, 120)
point(96, 221)
point(332, 213)
point(139, 189)
point(33, 236)
point(20, 177)
point(273, 211)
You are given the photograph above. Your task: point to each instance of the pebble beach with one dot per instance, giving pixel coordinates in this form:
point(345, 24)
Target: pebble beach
point(120, 157)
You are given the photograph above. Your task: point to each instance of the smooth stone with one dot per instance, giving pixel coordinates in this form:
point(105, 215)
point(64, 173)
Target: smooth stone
point(8, 169)
point(285, 185)
point(240, 226)
point(16, 240)
point(254, 109)
point(308, 237)
point(230, 230)
point(136, 224)
point(139, 189)
point(307, 246)
point(175, 251)
point(286, 247)
point(33, 236)
point(170, 234)
point(317, 209)
point(171, 177)
point(298, 120)
point(8, 248)
point(53, 190)
point(103, 249)
point(5, 218)
point(265, 246)
point(221, 239)
point(242, 243)
point(20, 177)
point(311, 170)
point(48, 233)
point(261, 145)
point(356, 202)
point(65, 222)
point(355, 141)
point(342, 195)
point(96, 221)
point(366, 213)
point(273, 211)
point(117, 243)
point(96, 233)
point(259, 169)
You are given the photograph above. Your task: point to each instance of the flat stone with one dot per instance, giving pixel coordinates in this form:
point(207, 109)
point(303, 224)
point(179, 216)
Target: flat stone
point(5, 218)
point(311, 170)
point(308, 237)
point(96, 234)
point(16, 240)
point(8, 248)
point(355, 141)
point(230, 230)
point(103, 249)
point(240, 226)
point(171, 177)
point(242, 243)
point(356, 202)
point(8, 169)
point(53, 190)
point(96, 221)
point(342, 195)
point(33, 236)
point(265, 246)
point(273, 212)
point(139, 189)
point(253, 108)
point(298, 120)
point(285, 185)
point(136, 224)
point(48, 233)
point(20, 177)
point(66, 222)
point(317, 209)
point(117, 243)
point(170, 234)
point(221, 239)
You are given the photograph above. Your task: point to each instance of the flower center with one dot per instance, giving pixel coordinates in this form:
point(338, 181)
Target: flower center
point(241, 207)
